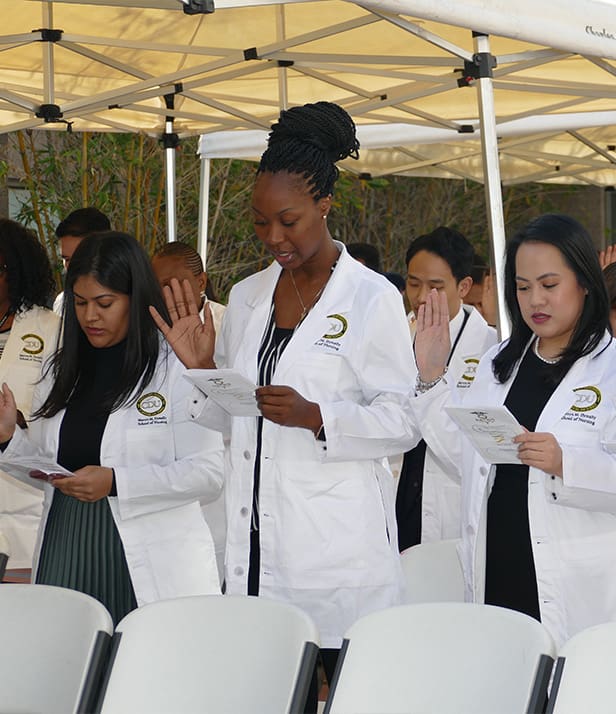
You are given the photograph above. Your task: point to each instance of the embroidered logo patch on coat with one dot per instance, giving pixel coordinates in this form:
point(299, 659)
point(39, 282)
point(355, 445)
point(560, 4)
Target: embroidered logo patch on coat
point(32, 344)
point(586, 399)
point(151, 404)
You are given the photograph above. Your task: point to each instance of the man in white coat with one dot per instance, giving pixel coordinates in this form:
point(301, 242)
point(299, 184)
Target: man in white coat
point(71, 231)
point(428, 495)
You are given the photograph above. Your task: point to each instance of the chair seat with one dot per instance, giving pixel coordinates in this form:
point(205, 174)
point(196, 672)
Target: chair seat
point(223, 654)
point(439, 658)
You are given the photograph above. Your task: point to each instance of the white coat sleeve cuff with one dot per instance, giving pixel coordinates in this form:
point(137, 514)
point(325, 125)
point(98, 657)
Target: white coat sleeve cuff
point(592, 489)
point(384, 428)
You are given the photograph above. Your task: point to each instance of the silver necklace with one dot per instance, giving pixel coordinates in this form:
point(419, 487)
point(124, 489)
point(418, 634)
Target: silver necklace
point(306, 308)
point(555, 360)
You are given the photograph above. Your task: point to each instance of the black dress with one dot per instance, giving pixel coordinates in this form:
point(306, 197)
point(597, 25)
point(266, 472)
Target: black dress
point(81, 547)
point(511, 580)
point(274, 341)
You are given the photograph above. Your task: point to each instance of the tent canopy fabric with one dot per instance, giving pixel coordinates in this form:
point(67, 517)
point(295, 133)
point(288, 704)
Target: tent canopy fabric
point(531, 149)
point(109, 64)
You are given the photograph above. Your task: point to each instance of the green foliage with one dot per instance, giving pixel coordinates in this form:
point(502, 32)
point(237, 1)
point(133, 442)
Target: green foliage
point(123, 175)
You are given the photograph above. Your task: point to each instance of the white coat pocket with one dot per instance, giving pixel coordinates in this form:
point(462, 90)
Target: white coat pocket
point(150, 444)
point(331, 526)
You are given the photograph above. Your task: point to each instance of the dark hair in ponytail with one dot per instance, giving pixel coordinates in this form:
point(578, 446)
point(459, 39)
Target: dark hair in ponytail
point(307, 141)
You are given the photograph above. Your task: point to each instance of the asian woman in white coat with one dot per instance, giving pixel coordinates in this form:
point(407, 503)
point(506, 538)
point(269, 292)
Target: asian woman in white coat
point(310, 498)
point(28, 336)
point(126, 527)
point(539, 537)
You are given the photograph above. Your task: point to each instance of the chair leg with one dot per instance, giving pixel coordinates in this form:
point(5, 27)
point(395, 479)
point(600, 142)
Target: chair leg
point(304, 678)
point(538, 700)
point(4, 559)
point(558, 674)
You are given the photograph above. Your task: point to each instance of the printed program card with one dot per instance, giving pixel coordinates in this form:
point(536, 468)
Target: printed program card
point(228, 388)
point(491, 431)
point(33, 467)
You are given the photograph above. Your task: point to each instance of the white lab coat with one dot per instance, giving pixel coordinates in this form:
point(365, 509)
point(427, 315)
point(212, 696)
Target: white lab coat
point(327, 523)
point(32, 339)
point(573, 519)
point(440, 500)
point(165, 465)
point(214, 511)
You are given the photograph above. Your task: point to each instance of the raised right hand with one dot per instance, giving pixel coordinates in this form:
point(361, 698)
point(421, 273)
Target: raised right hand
point(607, 256)
point(8, 413)
point(432, 341)
point(191, 339)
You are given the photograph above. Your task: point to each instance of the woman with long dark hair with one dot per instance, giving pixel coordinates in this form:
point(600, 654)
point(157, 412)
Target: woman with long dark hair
point(28, 335)
point(539, 536)
point(126, 527)
point(310, 500)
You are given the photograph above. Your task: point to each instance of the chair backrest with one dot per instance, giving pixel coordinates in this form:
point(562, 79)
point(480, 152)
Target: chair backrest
point(49, 637)
point(439, 658)
point(212, 653)
point(584, 674)
point(433, 573)
point(4, 554)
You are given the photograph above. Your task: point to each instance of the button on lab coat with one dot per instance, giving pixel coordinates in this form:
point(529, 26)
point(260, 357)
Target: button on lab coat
point(327, 523)
point(572, 520)
point(165, 466)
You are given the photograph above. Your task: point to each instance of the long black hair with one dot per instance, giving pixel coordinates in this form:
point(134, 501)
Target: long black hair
point(118, 262)
point(576, 247)
point(27, 267)
point(307, 141)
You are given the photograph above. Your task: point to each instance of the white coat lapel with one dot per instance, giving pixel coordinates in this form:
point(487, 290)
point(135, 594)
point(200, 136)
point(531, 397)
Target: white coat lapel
point(336, 300)
point(255, 309)
point(587, 371)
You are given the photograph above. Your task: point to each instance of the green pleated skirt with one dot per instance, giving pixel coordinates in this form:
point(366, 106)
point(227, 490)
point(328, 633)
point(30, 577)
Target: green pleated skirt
point(82, 550)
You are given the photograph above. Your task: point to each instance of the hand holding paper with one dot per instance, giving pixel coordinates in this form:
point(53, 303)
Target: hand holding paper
point(33, 467)
point(491, 430)
point(541, 450)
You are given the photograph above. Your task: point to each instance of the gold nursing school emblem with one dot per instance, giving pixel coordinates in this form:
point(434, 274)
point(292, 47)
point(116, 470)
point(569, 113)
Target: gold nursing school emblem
point(586, 399)
point(151, 404)
point(337, 327)
point(32, 344)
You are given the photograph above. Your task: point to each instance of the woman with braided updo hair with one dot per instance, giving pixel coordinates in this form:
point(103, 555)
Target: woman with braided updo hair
point(310, 499)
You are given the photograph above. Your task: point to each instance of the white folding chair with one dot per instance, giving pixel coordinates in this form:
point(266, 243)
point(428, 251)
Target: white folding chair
point(213, 653)
point(433, 573)
point(52, 645)
point(584, 673)
point(4, 554)
point(439, 658)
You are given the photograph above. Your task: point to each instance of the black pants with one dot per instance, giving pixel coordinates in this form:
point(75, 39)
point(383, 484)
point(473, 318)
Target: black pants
point(328, 658)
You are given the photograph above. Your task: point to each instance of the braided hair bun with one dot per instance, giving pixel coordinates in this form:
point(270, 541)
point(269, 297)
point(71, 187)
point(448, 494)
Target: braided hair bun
point(308, 140)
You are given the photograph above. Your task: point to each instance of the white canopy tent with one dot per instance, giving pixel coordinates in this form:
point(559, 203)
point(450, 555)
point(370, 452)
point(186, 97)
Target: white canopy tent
point(107, 65)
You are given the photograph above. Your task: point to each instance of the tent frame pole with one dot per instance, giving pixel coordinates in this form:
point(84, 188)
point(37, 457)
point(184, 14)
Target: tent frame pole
point(204, 209)
point(170, 141)
point(492, 183)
